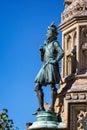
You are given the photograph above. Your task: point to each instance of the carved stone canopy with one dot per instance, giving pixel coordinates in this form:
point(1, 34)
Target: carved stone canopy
point(74, 8)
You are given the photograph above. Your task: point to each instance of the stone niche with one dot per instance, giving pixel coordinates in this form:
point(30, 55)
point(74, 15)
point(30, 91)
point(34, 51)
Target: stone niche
point(69, 60)
point(83, 47)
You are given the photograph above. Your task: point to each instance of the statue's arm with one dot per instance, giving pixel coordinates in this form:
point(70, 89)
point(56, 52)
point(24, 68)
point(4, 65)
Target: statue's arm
point(42, 50)
point(60, 52)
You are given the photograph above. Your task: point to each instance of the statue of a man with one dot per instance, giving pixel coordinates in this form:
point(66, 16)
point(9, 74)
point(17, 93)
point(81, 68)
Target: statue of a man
point(49, 74)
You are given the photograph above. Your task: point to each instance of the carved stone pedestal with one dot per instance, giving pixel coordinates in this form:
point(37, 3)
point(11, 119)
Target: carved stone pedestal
point(74, 102)
point(46, 120)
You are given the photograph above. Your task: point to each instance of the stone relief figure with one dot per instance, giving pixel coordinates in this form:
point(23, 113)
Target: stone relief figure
point(49, 74)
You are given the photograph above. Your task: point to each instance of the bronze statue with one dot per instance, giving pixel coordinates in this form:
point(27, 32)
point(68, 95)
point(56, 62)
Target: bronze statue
point(49, 74)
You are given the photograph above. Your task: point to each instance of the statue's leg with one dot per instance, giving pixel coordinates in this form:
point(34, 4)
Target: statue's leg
point(40, 96)
point(53, 96)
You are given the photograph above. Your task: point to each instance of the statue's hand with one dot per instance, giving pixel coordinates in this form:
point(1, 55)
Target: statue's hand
point(41, 48)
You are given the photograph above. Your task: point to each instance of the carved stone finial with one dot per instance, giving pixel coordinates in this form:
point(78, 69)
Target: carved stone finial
point(67, 2)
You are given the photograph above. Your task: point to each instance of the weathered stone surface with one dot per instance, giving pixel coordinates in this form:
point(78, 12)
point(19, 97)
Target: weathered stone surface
point(72, 94)
point(74, 8)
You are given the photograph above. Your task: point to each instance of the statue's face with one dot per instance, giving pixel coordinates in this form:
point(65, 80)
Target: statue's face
point(49, 33)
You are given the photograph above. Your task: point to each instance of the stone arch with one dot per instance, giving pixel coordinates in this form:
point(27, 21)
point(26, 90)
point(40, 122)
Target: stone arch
point(68, 57)
point(69, 65)
point(68, 42)
point(74, 38)
point(74, 59)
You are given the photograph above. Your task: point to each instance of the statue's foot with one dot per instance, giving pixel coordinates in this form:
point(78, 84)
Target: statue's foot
point(50, 109)
point(38, 110)
point(42, 109)
point(35, 113)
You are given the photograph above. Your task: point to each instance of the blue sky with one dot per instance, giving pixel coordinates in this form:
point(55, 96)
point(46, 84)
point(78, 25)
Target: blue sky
point(23, 25)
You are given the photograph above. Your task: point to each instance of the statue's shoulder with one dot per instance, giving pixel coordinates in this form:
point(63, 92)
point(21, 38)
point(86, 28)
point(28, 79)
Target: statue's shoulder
point(56, 43)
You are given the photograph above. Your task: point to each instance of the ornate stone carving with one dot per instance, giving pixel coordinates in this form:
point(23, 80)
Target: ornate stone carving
point(74, 8)
point(82, 120)
point(76, 96)
point(67, 3)
point(77, 116)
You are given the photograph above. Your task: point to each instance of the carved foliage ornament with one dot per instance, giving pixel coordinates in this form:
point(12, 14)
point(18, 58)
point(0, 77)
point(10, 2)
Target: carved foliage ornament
point(82, 120)
point(77, 7)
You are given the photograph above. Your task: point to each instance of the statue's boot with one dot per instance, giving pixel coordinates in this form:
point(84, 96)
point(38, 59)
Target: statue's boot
point(40, 97)
point(53, 97)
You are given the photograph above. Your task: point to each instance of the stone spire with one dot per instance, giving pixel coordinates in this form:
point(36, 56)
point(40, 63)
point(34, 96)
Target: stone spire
point(74, 8)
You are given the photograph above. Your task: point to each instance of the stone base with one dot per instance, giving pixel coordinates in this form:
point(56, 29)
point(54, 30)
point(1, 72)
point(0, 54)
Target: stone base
point(46, 120)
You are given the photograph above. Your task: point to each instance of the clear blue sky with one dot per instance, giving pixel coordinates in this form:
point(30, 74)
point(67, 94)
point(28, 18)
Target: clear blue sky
point(23, 25)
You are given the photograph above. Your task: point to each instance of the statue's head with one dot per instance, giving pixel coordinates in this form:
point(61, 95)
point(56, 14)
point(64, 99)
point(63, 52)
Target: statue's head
point(51, 31)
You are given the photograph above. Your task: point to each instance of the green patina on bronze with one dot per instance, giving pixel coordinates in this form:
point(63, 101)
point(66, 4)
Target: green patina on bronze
point(45, 120)
point(46, 116)
point(50, 54)
point(49, 73)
